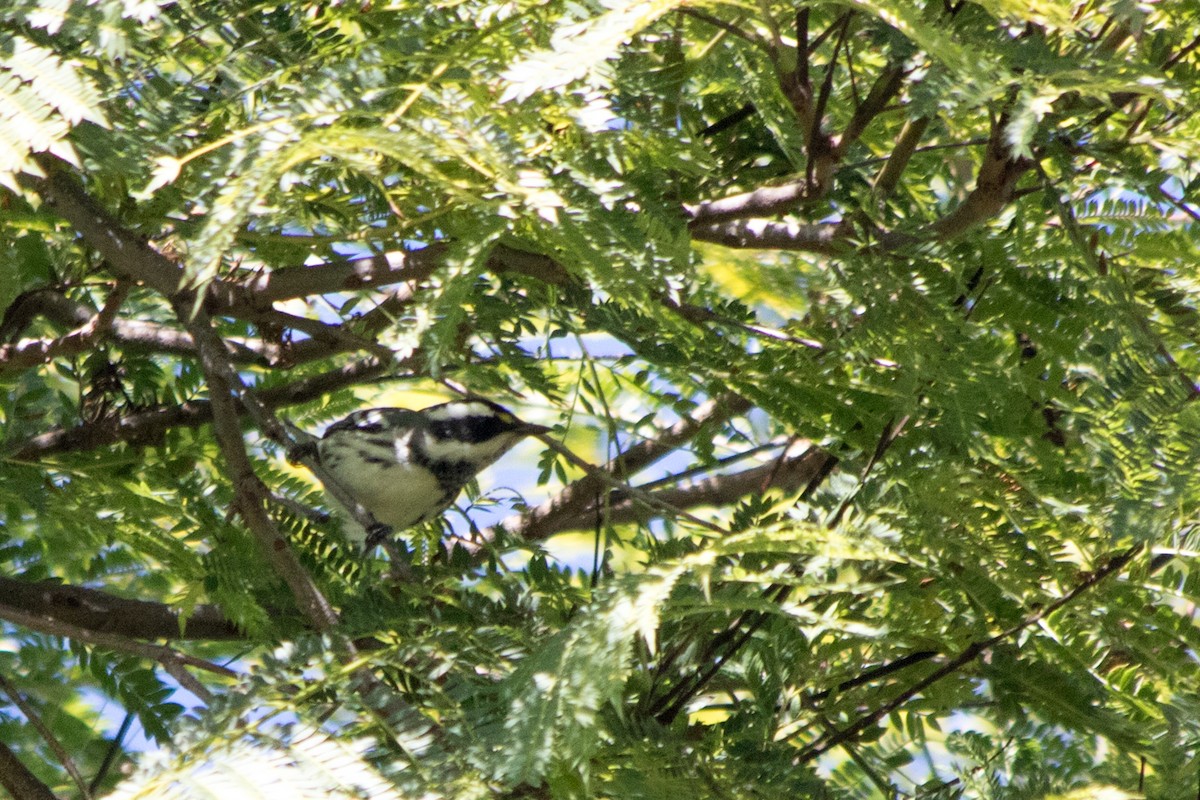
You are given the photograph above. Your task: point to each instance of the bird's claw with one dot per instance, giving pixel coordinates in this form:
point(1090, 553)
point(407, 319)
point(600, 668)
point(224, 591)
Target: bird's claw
point(377, 533)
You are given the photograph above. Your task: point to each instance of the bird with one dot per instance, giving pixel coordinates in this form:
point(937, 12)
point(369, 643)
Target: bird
point(407, 467)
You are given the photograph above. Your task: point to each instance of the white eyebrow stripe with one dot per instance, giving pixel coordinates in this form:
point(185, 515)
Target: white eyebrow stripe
point(462, 410)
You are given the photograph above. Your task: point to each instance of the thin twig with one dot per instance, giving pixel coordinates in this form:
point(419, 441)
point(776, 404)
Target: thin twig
point(35, 719)
point(728, 27)
point(826, 742)
point(110, 755)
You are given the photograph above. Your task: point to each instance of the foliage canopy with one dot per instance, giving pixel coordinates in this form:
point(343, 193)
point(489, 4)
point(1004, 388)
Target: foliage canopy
point(867, 330)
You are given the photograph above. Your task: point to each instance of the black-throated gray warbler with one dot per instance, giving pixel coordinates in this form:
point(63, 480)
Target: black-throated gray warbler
point(406, 466)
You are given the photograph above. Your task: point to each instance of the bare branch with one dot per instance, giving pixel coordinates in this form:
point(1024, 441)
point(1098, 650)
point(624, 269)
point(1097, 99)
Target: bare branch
point(535, 265)
point(133, 334)
point(882, 91)
point(324, 339)
point(804, 48)
point(822, 156)
point(572, 503)
point(1181, 54)
point(653, 500)
point(732, 222)
point(875, 673)
point(385, 269)
point(94, 610)
point(622, 506)
point(823, 238)
point(127, 253)
point(139, 429)
point(146, 427)
point(250, 495)
point(18, 781)
point(111, 641)
point(35, 719)
point(906, 144)
point(28, 353)
point(994, 186)
point(765, 200)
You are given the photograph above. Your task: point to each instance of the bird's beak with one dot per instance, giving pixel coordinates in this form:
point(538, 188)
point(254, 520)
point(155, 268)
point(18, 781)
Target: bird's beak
point(529, 429)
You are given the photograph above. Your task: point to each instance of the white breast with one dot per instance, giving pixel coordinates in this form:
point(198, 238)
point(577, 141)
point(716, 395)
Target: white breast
point(396, 494)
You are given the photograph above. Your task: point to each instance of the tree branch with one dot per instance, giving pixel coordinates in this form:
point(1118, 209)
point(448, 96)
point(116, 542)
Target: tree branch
point(385, 269)
point(28, 353)
point(573, 502)
point(823, 156)
point(127, 253)
point(264, 287)
point(155, 652)
point(653, 500)
point(133, 334)
point(728, 27)
point(995, 187)
point(823, 238)
point(250, 495)
point(995, 183)
point(826, 742)
point(18, 781)
point(131, 257)
point(146, 427)
point(35, 719)
point(624, 504)
point(882, 91)
point(761, 201)
point(94, 610)
point(906, 144)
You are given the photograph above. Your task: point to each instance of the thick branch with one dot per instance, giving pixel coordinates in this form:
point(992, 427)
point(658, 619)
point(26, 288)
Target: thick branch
point(339, 276)
point(251, 495)
point(18, 781)
point(127, 253)
point(823, 239)
point(94, 610)
point(994, 186)
point(788, 474)
point(548, 518)
point(385, 269)
point(756, 203)
point(147, 427)
point(155, 652)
